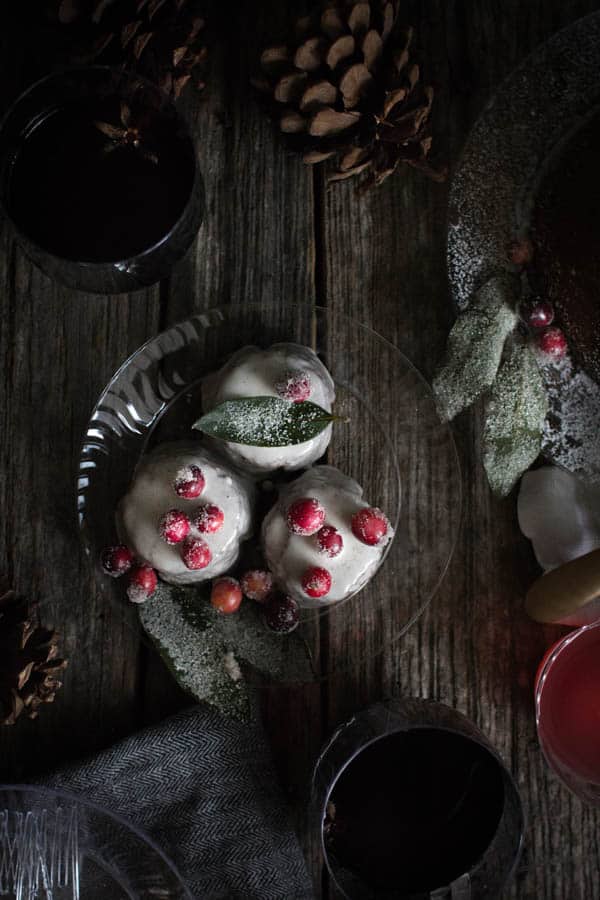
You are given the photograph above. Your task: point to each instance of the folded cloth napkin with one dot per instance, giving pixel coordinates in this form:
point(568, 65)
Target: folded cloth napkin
point(560, 514)
point(203, 787)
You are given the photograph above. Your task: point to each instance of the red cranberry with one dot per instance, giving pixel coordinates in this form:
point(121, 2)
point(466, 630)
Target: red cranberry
point(209, 518)
point(141, 583)
point(226, 595)
point(174, 526)
point(196, 553)
point(316, 582)
point(257, 584)
point(370, 525)
point(305, 516)
point(537, 313)
point(295, 386)
point(282, 614)
point(189, 482)
point(553, 343)
point(117, 560)
point(330, 540)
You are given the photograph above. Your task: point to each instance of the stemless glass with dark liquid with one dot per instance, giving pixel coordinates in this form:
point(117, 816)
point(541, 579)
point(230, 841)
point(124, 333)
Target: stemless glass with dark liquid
point(99, 179)
point(415, 803)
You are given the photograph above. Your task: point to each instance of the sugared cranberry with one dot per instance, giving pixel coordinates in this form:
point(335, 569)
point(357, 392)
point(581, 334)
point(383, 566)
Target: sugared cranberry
point(226, 595)
point(189, 482)
point(117, 560)
point(330, 541)
point(316, 582)
point(370, 525)
point(282, 614)
point(294, 386)
point(553, 343)
point(305, 516)
point(196, 553)
point(141, 583)
point(537, 313)
point(209, 518)
point(520, 252)
point(257, 584)
point(174, 526)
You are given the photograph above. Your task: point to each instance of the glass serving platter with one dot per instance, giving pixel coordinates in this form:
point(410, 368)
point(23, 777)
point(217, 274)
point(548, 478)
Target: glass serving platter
point(534, 110)
point(394, 445)
point(58, 846)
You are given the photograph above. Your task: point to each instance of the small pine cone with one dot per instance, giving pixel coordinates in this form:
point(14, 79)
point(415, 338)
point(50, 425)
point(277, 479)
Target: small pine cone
point(29, 661)
point(160, 39)
point(346, 89)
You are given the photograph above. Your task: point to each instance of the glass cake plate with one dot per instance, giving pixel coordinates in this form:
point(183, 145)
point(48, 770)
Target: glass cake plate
point(58, 846)
point(537, 107)
point(394, 445)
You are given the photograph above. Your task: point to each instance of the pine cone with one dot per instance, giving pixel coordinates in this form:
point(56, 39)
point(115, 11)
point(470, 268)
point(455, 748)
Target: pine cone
point(161, 39)
point(347, 88)
point(29, 663)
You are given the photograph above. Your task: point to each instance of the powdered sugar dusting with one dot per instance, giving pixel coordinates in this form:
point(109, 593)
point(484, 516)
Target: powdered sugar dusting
point(207, 650)
point(232, 666)
point(572, 429)
point(136, 593)
point(294, 386)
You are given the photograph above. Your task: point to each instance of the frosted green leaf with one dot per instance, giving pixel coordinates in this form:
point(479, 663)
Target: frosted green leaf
point(515, 415)
point(475, 346)
point(265, 421)
point(209, 653)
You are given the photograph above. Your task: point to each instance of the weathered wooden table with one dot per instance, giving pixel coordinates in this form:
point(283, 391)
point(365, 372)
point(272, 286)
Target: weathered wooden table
point(273, 233)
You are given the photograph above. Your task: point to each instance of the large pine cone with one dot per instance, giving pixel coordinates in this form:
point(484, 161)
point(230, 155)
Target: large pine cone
point(29, 663)
point(347, 88)
point(161, 39)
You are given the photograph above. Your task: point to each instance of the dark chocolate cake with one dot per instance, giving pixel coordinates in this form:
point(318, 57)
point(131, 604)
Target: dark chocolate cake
point(566, 237)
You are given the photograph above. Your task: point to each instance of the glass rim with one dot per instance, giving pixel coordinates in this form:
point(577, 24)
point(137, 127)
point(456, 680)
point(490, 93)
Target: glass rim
point(77, 800)
point(548, 660)
point(127, 75)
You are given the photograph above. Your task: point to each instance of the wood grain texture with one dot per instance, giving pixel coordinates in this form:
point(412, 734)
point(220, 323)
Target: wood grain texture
point(58, 348)
point(274, 235)
point(256, 247)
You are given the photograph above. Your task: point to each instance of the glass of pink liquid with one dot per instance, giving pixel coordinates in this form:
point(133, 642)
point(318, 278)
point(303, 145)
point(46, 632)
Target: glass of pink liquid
point(567, 706)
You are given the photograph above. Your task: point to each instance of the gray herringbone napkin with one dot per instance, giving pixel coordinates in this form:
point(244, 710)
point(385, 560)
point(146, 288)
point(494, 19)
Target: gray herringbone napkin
point(204, 788)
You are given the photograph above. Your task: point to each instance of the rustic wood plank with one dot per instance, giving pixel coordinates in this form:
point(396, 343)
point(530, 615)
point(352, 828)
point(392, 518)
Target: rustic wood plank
point(58, 349)
point(255, 247)
point(474, 648)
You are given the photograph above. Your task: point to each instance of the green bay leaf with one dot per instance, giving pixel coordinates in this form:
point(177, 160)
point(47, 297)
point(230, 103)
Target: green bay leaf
point(265, 421)
point(475, 346)
point(515, 415)
point(204, 648)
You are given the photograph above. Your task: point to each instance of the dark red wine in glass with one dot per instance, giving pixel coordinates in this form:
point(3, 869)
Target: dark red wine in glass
point(417, 805)
point(98, 176)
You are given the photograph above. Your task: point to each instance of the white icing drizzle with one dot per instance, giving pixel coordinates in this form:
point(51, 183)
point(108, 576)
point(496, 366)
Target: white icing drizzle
point(151, 494)
point(289, 555)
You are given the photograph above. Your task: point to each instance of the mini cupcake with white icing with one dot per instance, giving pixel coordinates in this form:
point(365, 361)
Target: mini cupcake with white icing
point(186, 513)
point(321, 540)
point(291, 372)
